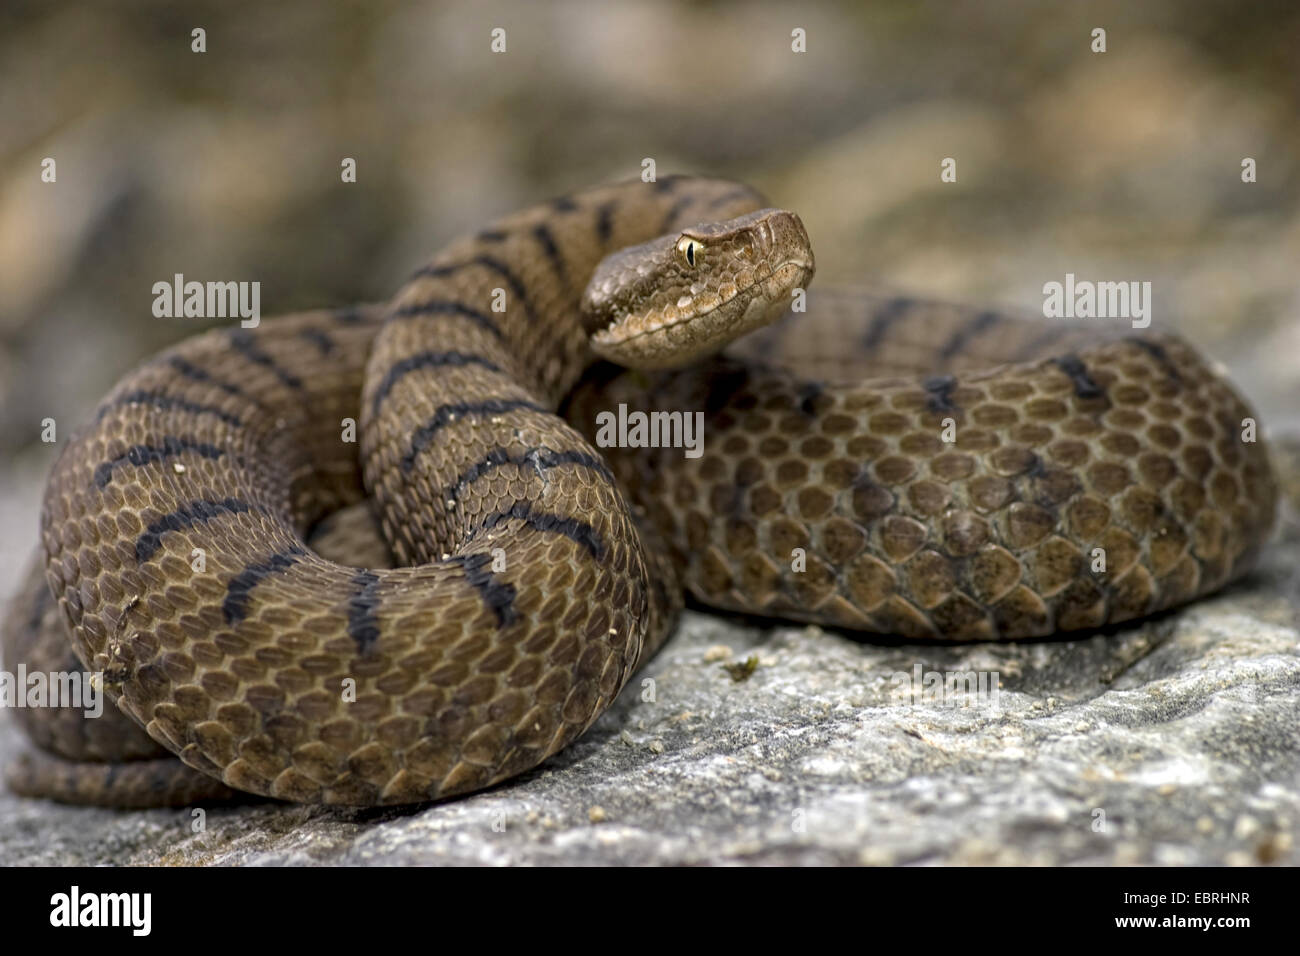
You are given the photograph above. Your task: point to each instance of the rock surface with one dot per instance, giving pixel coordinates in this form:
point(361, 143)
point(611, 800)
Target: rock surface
point(1173, 742)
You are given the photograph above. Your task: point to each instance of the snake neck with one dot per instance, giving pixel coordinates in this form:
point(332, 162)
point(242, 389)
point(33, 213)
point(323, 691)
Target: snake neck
point(511, 292)
point(482, 344)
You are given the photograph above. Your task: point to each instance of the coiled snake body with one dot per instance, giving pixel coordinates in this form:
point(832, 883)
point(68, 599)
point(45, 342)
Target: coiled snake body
point(875, 463)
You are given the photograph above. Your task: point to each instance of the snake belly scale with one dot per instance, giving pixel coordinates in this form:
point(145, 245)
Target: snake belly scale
point(462, 599)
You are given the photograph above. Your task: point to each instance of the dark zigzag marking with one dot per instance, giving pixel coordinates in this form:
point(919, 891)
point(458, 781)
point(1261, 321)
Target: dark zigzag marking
point(319, 339)
point(449, 413)
point(165, 402)
point(349, 315)
point(196, 374)
point(240, 587)
point(492, 235)
point(492, 264)
point(140, 455)
point(547, 241)
point(443, 307)
point(539, 458)
point(564, 204)
point(1073, 366)
point(199, 510)
point(678, 207)
point(605, 221)
point(242, 341)
point(940, 388)
point(497, 595)
point(1158, 352)
point(430, 359)
point(1034, 347)
point(809, 393)
point(572, 528)
point(968, 331)
point(885, 318)
point(363, 625)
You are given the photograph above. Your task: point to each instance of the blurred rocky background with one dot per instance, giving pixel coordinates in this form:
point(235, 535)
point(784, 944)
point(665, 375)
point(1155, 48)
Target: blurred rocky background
point(226, 165)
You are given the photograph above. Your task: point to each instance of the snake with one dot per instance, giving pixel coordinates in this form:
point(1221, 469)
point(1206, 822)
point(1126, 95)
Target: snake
point(381, 555)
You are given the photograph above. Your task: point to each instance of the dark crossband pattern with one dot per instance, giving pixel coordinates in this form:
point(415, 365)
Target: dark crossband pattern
point(442, 307)
point(363, 607)
point(1159, 353)
point(538, 459)
point(498, 596)
point(446, 414)
point(243, 342)
point(493, 265)
point(575, 529)
point(545, 238)
point(675, 211)
point(186, 516)
point(426, 360)
point(962, 338)
point(320, 339)
point(137, 456)
point(605, 222)
point(883, 320)
point(164, 402)
point(194, 373)
point(240, 589)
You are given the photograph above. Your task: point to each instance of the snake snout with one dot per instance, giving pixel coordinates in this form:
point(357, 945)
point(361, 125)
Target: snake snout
point(784, 239)
point(669, 302)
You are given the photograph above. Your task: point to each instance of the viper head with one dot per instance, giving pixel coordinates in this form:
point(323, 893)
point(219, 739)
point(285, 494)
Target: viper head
point(669, 301)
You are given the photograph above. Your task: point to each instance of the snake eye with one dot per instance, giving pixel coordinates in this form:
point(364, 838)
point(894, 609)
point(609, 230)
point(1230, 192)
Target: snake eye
point(691, 250)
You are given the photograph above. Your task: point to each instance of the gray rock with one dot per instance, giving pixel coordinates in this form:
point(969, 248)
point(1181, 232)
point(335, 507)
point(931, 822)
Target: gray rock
point(1172, 742)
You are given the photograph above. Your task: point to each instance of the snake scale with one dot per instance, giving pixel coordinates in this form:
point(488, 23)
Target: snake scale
point(485, 580)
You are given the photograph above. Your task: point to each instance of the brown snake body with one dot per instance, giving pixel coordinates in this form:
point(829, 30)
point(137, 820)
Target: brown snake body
point(877, 464)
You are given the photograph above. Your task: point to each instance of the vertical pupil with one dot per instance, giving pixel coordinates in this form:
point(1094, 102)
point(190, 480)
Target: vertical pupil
point(690, 253)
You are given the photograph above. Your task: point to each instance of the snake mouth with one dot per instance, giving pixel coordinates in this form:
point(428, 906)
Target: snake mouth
point(622, 332)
